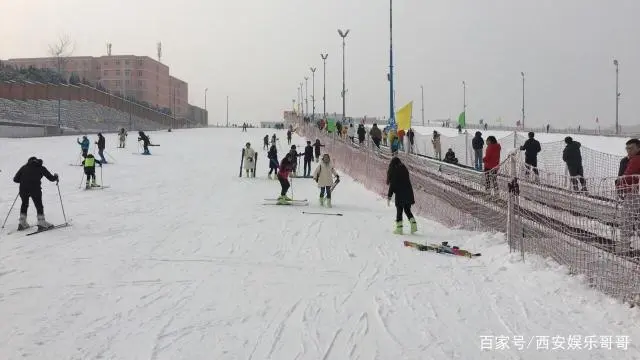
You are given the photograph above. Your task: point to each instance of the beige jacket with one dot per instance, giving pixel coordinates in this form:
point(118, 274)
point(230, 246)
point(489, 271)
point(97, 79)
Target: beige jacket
point(324, 174)
point(248, 158)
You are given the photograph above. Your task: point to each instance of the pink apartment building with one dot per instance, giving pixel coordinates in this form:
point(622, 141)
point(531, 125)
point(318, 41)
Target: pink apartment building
point(140, 77)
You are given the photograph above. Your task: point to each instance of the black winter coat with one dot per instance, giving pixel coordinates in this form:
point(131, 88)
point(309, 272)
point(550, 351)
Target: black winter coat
point(30, 175)
point(145, 139)
point(571, 155)
point(477, 143)
point(101, 142)
point(623, 165)
point(400, 185)
point(308, 152)
point(361, 132)
point(531, 149)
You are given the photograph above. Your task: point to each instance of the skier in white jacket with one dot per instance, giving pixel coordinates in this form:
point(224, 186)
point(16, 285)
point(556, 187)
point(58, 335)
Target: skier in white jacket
point(249, 158)
point(323, 175)
point(351, 132)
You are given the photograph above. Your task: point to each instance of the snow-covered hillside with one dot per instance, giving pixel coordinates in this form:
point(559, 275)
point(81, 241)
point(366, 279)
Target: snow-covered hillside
point(180, 259)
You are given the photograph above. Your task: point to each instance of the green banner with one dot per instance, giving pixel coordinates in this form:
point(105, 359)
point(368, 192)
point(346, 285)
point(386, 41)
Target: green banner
point(331, 125)
point(462, 119)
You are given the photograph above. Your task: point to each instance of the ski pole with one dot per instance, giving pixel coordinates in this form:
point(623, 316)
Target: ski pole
point(61, 204)
point(10, 209)
point(109, 155)
point(101, 181)
point(81, 179)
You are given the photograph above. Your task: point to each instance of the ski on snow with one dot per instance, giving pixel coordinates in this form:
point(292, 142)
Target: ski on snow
point(289, 203)
point(444, 248)
point(322, 213)
point(47, 229)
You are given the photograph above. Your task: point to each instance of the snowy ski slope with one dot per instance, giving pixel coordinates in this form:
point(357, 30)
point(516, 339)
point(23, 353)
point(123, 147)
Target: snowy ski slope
point(179, 259)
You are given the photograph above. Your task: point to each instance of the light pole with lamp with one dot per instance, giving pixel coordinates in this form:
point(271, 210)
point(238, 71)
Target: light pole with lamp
point(617, 64)
point(522, 73)
point(324, 85)
point(313, 92)
point(392, 113)
point(306, 93)
point(343, 35)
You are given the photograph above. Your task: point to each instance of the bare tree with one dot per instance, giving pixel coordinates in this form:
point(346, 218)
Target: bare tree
point(61, 50)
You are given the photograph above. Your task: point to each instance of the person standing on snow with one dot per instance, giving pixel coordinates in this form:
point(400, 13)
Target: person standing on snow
point(249, 158)
point(84, 145)
point(351, 132)
point(122, 136)
point(376, 135)
point(29, 177)
point(323, 176)
point(286, 166)
point(437, 148)
point(361, 134)
point(273, 139)
point(265, 144)
point(89, 164)
point(308, 158)
point(531, 149)
point(572, 156)
point(316, 149)
point(491, 162)
point(289, 137)
point(273, 161)
point(629, 190)
point(400, 185)
point(101, 145)
point(477, 143)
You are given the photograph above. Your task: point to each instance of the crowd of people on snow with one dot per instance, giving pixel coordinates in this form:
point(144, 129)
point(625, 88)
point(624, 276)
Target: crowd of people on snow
point(29, 176)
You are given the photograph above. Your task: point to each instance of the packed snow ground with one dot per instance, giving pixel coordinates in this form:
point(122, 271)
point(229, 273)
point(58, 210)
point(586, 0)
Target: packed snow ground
point(178, 259)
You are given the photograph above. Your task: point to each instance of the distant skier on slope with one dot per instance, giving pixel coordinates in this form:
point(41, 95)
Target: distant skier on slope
point(29, 177)
point(323, 176)
point(286, 166)
point(89, 165)
point(316, 149)
point(289, 137)
point(265, 145)
point(249, 158)
point(122, 136)
point(400, 185)
point(84, 145)
point(273, 161)
point(101, 145)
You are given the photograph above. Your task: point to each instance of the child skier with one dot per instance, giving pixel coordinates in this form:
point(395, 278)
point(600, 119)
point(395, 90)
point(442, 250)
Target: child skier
point(84, 145)
point(273, 161)
point(286, 166)
point(249, 157)
point(89, 164)
point(316, 148)
point(308, 157)
point(400, 185)
point(29, 177)
point(322, 175)
point(101, 145)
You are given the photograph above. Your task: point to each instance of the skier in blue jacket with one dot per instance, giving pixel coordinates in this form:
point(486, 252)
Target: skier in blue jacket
point(84, 145)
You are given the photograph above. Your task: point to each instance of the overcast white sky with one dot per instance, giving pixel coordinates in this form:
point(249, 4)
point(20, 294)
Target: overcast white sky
point(258, 51)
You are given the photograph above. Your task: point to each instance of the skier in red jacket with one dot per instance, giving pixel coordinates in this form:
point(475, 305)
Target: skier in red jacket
point(491, 162)
point(286, 166)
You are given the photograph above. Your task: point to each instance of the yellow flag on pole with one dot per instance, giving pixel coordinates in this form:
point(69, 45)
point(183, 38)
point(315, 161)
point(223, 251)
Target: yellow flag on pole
point(403, 116)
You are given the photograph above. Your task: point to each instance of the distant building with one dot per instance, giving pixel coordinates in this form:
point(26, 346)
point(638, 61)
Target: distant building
point(139, 77)
point(272, 124)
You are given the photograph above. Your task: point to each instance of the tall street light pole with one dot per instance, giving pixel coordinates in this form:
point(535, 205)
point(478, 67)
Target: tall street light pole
point(313, 92)
point(616, 63)
point(464, 98)
point(343, 35)
point(301, 100)
point(306, 93)
point(522, 73)
point(324, 84)
point(392, 113)
point(227, 111)
point(422, 91)
point(205, 98)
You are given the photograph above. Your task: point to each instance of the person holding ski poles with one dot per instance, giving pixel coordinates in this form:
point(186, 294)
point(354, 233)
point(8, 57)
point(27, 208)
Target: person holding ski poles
point(323, 176)
point(89, 164)
point(286, 167)
point(400, 185)
point(272, 155)
point(146, 142)
point(29, 177)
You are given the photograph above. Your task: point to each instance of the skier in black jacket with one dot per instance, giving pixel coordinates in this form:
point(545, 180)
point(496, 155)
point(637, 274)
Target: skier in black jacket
point(316, 148)
point(29, 177)
point(531, 149)
point(101, 146)
point(477, 143)
point(273, 161)
point(308, 158)
point(573, 158)
point(146, 142)
point(400, 185)
point(361, 133)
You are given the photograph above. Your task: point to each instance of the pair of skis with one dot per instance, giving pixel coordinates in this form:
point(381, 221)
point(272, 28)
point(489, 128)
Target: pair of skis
point(303, 202)
point(443, 248)
point(38, 231)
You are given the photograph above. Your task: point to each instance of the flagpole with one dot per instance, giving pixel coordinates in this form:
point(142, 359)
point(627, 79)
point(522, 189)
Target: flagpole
point(392, 116)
